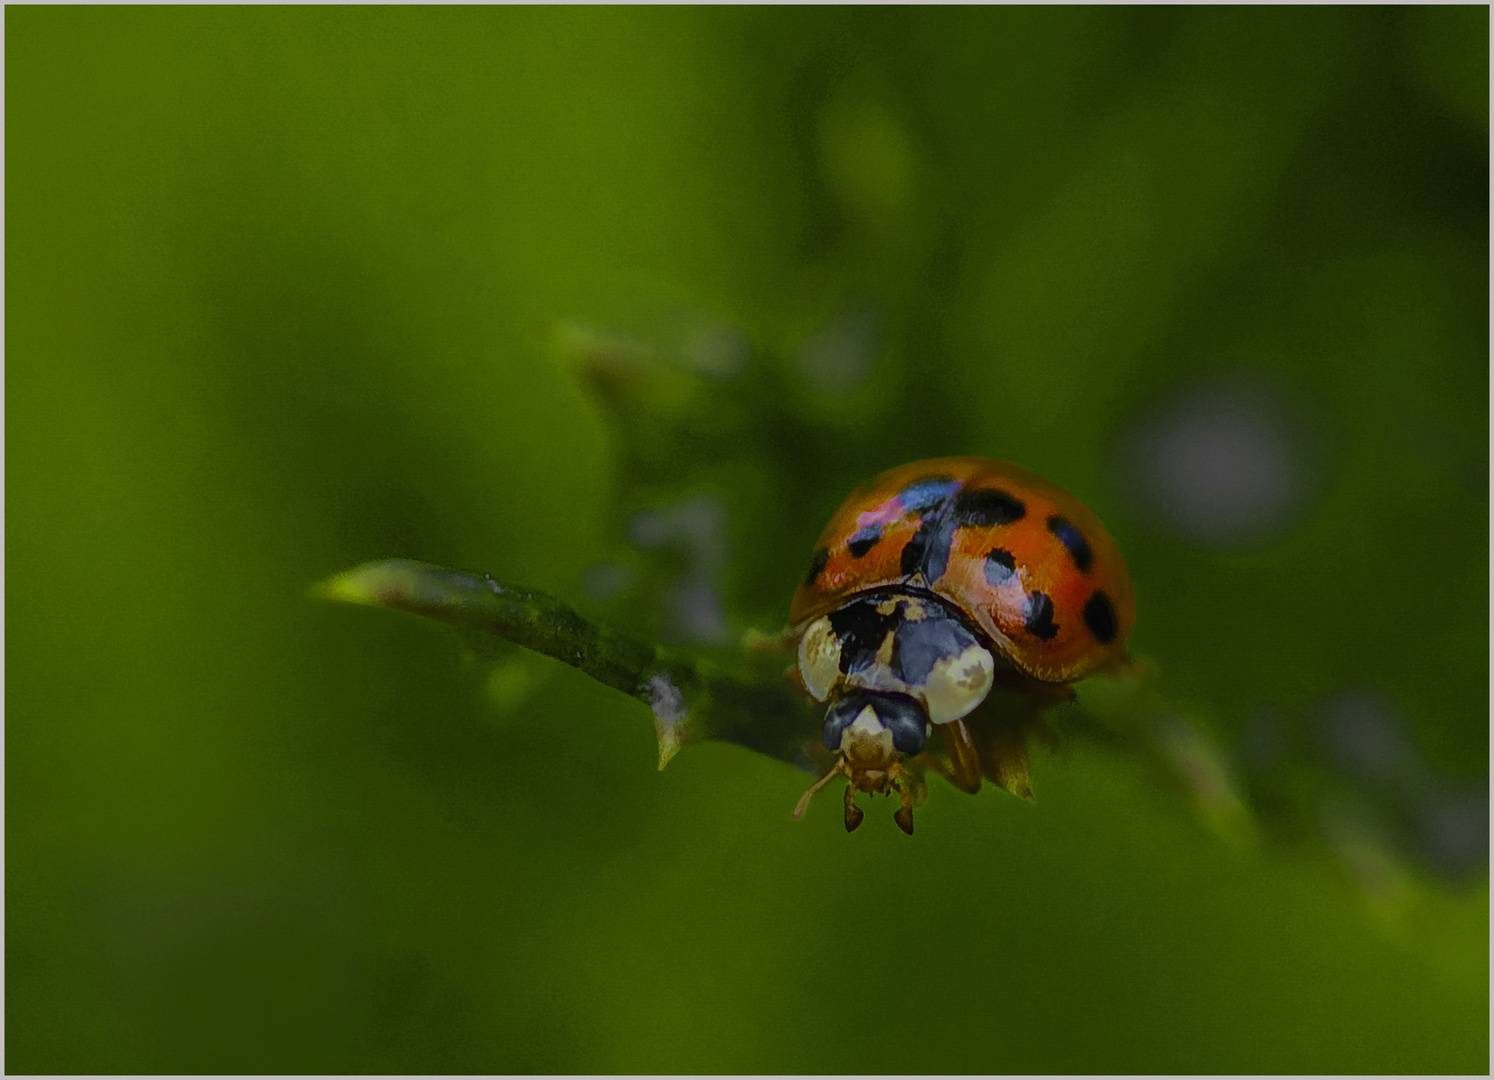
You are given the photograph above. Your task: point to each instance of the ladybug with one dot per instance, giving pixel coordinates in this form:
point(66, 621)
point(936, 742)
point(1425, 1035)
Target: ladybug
point(931, 584)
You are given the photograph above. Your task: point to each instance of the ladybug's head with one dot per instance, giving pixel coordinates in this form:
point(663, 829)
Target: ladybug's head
point(890, 664)
point(872, 732)
point(870, 726)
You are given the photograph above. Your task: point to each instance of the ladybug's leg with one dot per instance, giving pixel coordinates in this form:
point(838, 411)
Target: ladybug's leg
point(853, 812)
point(904, 815)
point(1003, 756)
point(964, 762)
point(840, 767)
point(755, 642)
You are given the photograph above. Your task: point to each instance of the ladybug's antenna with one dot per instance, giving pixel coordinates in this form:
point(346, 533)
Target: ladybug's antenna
point(840, 768)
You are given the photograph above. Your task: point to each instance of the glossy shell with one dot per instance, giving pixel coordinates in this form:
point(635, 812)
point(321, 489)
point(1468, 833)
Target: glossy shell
point(1023, 559)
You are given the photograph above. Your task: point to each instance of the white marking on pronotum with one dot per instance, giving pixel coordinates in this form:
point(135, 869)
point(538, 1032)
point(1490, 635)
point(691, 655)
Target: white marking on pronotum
point(957, 684)
point(819, 658)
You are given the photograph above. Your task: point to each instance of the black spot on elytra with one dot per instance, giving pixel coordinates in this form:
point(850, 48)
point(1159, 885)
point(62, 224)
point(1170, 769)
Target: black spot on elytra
point(918, 646)
point(987, 507)
point(1040, 616)
point(1073, 539)
point(1001, 565)
point(928, 548)
point(816, 564)
point(913, 550)
point(864, 540)
point(1099, 616)
point(861, 629)
point(927, 493)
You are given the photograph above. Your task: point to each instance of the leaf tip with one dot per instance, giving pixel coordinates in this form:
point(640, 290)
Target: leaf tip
point(349, 587)
point(668, 703)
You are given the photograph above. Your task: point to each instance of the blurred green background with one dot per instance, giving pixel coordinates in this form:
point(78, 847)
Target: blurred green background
point(284, 290)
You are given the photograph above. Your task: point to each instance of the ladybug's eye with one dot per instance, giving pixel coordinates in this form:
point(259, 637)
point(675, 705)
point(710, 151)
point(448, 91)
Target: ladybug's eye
point(906, 720)
point(841, 715)
point(898, 713)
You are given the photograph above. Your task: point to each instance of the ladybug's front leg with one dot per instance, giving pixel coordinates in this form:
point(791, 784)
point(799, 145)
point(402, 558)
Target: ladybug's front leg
point(853, 812)
point(904, 815)
point(964, 761)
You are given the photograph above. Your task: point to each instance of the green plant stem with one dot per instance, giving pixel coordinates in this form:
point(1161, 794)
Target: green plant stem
point(693, 697)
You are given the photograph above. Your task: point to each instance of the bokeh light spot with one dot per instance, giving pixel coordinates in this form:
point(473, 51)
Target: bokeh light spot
point(1220, 465)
